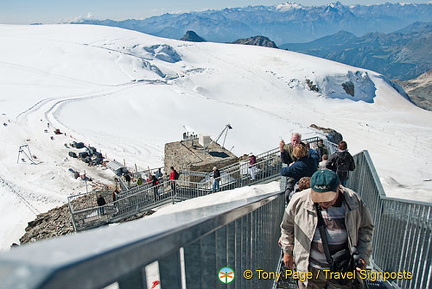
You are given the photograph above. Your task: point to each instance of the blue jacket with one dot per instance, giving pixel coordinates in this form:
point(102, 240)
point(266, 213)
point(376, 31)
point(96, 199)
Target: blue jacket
point(315, 156)
point(304, 167)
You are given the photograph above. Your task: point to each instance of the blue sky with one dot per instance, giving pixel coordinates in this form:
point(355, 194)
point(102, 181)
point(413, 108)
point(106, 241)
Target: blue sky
point(56, 11)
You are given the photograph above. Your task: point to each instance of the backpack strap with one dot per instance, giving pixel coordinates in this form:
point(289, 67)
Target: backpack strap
point(321, 227)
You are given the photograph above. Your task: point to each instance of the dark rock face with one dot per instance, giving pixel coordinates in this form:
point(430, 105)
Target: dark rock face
point(55, 222)
point(193, 37)
point(257, 41)
point(331, 134)
point(348, 87)
point(420, 90)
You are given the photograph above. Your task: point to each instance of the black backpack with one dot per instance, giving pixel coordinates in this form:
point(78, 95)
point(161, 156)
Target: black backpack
point(176, 175)
point(342, 166)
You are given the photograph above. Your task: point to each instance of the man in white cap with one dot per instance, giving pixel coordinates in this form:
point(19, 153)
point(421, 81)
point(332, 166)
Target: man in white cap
point(341, 216)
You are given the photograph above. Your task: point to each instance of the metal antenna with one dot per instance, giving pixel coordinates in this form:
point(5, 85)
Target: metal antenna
point(225, 130)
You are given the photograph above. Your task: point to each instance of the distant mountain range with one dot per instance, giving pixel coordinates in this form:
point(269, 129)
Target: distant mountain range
point(404, 54)
point(283, 23)
point(362, 35)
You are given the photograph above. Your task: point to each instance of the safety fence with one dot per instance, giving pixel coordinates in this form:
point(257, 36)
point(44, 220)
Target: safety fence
point(192, 247)
point(137, 199)
point(402, 244)
point(200, 248)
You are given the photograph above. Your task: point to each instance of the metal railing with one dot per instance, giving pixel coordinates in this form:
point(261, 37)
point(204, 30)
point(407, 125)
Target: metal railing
point(403, 229)
point(132, 200)
point(190, 248)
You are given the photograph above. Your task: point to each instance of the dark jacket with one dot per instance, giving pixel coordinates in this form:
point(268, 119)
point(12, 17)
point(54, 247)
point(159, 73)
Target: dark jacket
point(321, 150)
point(287, 154)
point(100, 201)
point(315, 157)
point(304, 167)
point(216, 174)
point(153, 180)
point(341, 162)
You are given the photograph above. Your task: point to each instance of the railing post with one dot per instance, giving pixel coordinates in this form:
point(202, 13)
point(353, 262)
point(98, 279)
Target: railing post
point(170, 271)
point(72, 214)
point(192, 261)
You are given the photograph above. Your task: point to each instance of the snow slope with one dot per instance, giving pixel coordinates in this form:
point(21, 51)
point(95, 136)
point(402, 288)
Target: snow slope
point(128, 93)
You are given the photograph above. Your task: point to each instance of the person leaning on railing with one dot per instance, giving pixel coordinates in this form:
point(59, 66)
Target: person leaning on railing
point(347, 226)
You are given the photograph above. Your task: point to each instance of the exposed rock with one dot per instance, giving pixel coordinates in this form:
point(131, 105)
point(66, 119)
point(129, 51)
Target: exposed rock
point(420, 90)
point(257, 41)
point(193, 37)
point(348, 87)
point(311, 85)
point(55, 222)
point(331, 134)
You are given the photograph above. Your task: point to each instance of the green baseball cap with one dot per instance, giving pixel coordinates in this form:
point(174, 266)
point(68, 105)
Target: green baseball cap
point(324, 186)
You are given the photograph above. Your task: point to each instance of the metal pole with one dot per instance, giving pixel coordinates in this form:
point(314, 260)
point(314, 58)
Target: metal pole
point(85, 180)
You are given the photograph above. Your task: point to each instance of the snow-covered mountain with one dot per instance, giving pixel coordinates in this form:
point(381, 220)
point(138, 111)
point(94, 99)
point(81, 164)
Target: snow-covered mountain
point(128, 93)
point(284, 23)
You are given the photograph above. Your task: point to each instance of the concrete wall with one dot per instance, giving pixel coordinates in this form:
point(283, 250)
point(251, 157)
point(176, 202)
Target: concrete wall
point(189, 155)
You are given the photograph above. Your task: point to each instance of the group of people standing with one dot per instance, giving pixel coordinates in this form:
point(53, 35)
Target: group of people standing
point(153, 180)
point(326, 227)
point(302, 161)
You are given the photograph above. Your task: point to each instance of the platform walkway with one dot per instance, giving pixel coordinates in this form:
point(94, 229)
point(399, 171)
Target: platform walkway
point(189, 249)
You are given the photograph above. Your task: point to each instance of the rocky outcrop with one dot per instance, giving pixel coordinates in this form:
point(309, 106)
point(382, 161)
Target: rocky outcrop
point(420, 90)
point(331, 134)
point(55, 222)
point(257, 41)
point(193, 37)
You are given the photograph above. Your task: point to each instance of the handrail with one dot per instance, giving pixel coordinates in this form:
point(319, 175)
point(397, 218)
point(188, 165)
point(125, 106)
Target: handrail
point(403, 228)
point(191, 245)
point(141, 198)
point(227, 234)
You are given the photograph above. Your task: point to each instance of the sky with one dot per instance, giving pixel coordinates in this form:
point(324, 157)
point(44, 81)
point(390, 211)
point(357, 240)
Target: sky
point(128, 94)
point(60, 11)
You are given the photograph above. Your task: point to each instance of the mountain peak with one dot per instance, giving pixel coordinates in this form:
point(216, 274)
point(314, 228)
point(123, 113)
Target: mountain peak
point(288, 6)
point(192, 36)
point(257, 41)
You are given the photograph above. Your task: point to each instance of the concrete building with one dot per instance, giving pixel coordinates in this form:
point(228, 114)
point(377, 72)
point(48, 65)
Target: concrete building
point(198, 154)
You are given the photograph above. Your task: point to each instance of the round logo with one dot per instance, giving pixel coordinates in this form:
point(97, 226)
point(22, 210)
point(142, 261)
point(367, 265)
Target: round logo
point(226, 275)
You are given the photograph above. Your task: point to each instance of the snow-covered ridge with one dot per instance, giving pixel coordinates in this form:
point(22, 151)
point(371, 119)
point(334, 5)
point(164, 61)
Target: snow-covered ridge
point(355, 86)
point(288, 6)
